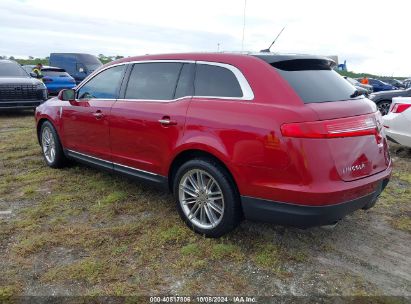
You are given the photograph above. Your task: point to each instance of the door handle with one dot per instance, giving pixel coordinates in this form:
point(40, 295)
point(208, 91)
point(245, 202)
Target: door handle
point(98, 114)
point(166, 121)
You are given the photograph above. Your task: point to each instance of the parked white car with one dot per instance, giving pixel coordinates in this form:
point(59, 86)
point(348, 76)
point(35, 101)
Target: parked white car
point(397, 123)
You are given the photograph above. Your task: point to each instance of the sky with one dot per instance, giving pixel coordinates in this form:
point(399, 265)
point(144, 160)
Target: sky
point(371, 35)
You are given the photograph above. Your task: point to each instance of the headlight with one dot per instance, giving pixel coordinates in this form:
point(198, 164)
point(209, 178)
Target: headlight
point(41, 86)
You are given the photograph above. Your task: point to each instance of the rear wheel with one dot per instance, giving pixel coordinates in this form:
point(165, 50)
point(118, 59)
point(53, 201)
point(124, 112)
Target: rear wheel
point(50, 143)
point(384, 106)
point(206, 197)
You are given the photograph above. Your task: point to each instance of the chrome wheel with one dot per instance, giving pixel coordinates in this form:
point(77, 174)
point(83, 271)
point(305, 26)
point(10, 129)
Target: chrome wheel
point(384, 107)
point(48, 144)
point(201, 199)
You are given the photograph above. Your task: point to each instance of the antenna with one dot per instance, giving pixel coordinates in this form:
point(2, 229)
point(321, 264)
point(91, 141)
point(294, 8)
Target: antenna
point(268, 50)
point(242, 41)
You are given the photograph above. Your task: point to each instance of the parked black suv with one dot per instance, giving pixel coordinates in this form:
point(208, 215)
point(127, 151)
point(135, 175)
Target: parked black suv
point(17, 89)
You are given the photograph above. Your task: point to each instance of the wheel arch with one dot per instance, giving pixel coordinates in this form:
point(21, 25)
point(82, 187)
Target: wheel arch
point(193, 153)
point(40, 122)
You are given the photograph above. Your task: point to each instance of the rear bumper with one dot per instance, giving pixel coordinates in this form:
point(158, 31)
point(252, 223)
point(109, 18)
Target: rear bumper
point(57, 88)
point(20, 104)
point(398, 138)
point(302, 216)
point(396, 128)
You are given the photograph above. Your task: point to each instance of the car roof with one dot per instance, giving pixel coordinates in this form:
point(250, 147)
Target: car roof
point(222, 57)
point(45, 67)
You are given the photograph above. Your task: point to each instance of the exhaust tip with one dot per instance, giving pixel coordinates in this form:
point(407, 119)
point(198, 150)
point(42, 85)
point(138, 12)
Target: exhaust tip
point(330, 226)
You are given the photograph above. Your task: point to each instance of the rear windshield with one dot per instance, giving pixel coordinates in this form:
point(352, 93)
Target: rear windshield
point(314, 80)
point(10, 69)
point(55, 73)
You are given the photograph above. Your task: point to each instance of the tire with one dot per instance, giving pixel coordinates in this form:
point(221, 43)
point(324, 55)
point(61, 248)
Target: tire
point(51, 146)
point(384, 106)
point(206, 197)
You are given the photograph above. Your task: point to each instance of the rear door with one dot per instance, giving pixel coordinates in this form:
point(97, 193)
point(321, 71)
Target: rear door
point(148, 121)
point(85, 121)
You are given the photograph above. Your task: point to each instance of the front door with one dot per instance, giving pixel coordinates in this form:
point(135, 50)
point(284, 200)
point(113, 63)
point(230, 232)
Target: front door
point(85, 121)
point(149, 121)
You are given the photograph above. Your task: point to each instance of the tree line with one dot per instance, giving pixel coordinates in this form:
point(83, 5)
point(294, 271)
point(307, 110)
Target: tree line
point(45, 61)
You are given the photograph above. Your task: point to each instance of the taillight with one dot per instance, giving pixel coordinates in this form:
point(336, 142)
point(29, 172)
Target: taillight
point(400, 107)
point(45, 80)
point(341, 127)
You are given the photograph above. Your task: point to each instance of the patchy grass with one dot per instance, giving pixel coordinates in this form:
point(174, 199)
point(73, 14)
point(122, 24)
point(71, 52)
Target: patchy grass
point(402, 223)
point(94, 233)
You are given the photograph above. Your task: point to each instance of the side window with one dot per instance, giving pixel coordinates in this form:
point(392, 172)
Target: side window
point(104, 85)
point(185, 86)
point(211, 80)
point(153, 81)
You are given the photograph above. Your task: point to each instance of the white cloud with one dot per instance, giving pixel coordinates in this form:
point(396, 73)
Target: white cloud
point(370, 35)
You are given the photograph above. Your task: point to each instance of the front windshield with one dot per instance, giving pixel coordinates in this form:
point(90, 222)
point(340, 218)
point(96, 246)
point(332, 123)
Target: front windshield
point(10, 69)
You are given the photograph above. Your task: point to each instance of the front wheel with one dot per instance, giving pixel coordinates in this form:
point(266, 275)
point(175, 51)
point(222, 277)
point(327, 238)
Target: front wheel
point(50, 143)
point(207, 198)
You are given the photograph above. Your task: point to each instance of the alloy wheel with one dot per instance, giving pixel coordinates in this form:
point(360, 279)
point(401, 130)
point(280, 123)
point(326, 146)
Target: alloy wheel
point(201, 199)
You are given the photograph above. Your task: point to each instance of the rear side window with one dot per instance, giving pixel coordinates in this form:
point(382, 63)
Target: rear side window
point(104, 85)
point(216, 81)
point(153, 81)
point(314, 80)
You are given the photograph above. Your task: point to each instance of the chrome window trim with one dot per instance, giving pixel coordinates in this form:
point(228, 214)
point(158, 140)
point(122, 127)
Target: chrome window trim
point(112, 163)
point(153, 100)
point(248, 93)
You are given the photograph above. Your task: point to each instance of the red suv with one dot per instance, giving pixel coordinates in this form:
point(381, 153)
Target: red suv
point(278, 138)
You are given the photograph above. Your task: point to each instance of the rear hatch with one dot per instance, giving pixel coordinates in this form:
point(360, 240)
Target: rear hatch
point(348, 124)
point(57, 76)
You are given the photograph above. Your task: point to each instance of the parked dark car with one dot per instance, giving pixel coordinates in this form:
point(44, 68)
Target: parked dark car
point(17, 89)
point(269, 137)
point(55, 79)
point(407, 83)
point(363, 89)
point(79, 66)
point(394, 82)
point(384, 99)
point(379, 85)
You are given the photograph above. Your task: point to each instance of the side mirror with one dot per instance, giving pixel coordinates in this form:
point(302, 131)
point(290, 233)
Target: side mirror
point(67, 95)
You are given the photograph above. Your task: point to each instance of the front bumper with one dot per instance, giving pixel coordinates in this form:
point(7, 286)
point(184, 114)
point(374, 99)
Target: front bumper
point(303, 216)
point(20, 104)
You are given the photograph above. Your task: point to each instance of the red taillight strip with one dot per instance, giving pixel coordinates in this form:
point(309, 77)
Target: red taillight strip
point(400, 107)
point(342, 127)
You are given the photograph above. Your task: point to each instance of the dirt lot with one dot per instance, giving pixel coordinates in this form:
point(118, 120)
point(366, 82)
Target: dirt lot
point(79, 231)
